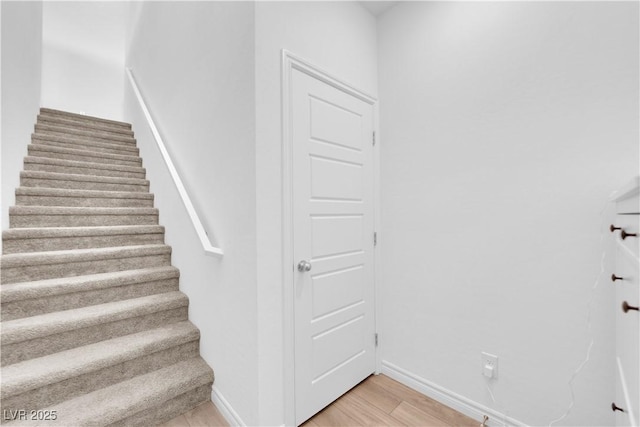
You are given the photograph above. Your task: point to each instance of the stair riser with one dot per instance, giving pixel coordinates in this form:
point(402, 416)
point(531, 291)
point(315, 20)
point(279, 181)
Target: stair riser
point(80, 140)
point(87, 147)
point(82, 185)
point(49, 304)
point(79, 170)
point(78, 268)
point(25, 350)
point(83, 124)
point(40, 151)
point(168, 410)
point(86, 383)
point(72, 133)
point(24, 200)
point(19, 246)
point(46, 112)
point(30, 221)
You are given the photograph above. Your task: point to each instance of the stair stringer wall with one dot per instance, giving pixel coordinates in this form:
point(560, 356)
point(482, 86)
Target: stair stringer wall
point(222, 291)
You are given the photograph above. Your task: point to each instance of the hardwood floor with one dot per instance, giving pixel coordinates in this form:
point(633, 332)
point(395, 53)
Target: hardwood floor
point(376, 401)
point(205, 415)
point(382, 401)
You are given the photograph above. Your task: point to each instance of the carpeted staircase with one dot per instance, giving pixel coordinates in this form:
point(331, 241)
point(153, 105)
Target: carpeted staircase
point(94, 330)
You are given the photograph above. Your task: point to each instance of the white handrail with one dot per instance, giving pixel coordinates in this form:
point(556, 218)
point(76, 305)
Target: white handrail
point(209, 249)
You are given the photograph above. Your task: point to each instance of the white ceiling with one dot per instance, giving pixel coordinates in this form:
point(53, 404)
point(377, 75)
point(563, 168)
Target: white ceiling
point(378, 7)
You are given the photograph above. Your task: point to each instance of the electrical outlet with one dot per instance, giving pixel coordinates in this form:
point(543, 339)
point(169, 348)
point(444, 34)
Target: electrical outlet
point(489, 365)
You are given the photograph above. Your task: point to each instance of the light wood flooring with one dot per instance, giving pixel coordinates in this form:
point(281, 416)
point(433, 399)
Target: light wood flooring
point(376, 401)
point(381, 401)
point(205, 415)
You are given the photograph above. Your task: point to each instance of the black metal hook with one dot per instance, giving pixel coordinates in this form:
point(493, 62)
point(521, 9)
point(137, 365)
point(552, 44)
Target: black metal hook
point(624, 234)
point(615, 407)
point(626, 307)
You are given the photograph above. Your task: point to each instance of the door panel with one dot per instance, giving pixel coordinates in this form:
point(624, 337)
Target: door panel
point(334, 235)
point(335, 124)
point(345, 181)
point(333, 347)
point(332, 189)
point(337, 290)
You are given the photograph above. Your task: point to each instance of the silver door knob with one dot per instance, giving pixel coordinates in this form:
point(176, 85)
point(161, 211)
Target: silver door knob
point(304, 266)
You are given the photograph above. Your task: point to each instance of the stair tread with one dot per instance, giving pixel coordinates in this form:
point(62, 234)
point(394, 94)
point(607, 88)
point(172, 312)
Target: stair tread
point(87, 153)
point(44, 239)
point(71, 122)
point(82, 164)
point(78, 138)
point(73, 192)
point(127, 398)
point(94, 134)
point(111, 230)
point(44, 137)
point(55, 112)
point(66, 210)
point(28, 328)
point(77, 255)
point(52, 368)
point(25, 216)
point(84, 178)
point(41, 288)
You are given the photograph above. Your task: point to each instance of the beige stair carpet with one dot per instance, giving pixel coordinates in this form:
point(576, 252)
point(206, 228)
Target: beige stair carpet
point(94, 329)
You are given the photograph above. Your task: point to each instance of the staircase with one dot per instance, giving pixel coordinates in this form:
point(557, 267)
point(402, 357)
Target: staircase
point(94, 328)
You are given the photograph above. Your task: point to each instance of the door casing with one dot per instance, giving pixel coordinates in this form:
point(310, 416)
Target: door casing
point(289, 63)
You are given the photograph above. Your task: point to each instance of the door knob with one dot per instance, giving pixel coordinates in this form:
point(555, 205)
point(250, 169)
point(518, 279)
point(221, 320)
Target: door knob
point(626, 307)
point(304, 266)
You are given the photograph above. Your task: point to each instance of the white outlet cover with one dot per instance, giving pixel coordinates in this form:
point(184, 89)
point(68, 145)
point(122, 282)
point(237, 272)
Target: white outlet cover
point(489, 360)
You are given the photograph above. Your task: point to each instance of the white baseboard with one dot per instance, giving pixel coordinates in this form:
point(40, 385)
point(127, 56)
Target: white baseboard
point(461, 404)
point(225, 408)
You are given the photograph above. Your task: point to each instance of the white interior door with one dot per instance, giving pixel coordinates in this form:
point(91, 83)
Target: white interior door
point(333, 227)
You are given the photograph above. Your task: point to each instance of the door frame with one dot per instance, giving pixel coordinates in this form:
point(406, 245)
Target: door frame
point(291, 62)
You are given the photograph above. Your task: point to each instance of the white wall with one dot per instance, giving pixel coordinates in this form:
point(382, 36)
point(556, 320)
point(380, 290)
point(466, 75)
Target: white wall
point(338, 37)
point(83, 57)
point(194, 62)
point(505, 127)
point(21, 51)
